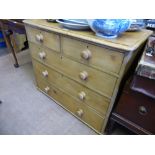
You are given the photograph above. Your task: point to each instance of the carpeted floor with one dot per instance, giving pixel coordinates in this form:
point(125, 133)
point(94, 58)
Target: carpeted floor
point(25, 110)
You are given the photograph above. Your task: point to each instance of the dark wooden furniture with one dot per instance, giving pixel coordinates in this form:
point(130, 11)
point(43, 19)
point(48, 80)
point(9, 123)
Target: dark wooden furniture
point(8, 27)
point(135, 110)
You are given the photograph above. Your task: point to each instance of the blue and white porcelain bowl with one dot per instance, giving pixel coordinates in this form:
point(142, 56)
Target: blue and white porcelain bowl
point(109, 28)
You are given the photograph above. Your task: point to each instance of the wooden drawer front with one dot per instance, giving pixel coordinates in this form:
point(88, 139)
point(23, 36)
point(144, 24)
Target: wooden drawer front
point(137, 108)
point(43, 54)
point(92, 55)
point(78, 91)
point(96, 80)
point(82, 111)
point(47, 39)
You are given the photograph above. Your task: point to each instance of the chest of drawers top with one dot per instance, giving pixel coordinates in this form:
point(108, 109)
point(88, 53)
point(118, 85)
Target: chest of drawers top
point(128, 41)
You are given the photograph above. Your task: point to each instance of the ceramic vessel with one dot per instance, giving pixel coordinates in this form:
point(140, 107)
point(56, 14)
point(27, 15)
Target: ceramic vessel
point(73, 26)
point(77, 21)
point(109, 28)
point(136, 25)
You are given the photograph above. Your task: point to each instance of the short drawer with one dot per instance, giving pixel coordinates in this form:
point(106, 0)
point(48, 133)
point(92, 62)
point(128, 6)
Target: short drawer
point(48, 39)
point(95, 56)
point(82, 111)
point(137, 108)
point(99, 81)
point(78, 91)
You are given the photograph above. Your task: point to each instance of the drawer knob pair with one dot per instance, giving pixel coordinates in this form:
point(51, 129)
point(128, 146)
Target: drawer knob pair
point(45, 73)
point(83, 75)
point(39, 37)
point(42, 55)
point(86, 54)
point(80, 112)
point(82, 95)
point(47, 89)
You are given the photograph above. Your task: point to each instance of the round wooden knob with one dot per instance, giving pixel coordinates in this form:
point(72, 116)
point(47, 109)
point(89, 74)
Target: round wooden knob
point(142, 110)
point(42, 55)
point(82, 95)
point(45, 73)
point(86, 54)
point(47, 89)
point(80, 112)
point(84, 75)
point(39, 37)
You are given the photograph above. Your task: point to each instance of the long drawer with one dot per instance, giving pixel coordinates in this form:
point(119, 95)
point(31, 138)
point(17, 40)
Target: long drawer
point(78, 91)
point(82, 111)
point(48, 39)
point(99, 81)
point(95, 56)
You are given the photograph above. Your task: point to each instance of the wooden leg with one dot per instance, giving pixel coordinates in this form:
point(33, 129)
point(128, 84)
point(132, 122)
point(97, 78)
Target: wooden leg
point(6, 34)
point(16, 65)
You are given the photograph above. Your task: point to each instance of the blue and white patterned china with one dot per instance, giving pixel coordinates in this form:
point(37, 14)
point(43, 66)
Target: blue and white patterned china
point(109, 28)
point(136, 25)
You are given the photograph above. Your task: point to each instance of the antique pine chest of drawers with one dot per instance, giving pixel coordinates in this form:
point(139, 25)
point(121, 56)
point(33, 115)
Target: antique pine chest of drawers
point(79, 71)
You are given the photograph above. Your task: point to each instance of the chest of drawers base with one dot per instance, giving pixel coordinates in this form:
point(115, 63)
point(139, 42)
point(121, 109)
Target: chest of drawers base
point(81, 111)
point(80, 71)
point(57, 102)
